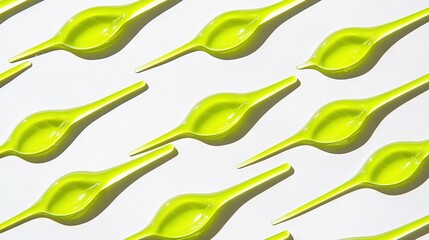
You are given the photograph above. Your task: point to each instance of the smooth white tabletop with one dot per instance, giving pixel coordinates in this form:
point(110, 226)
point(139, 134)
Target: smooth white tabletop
point(60, 80)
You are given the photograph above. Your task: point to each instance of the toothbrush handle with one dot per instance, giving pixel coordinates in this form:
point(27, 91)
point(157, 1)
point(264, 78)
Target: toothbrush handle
point(19, 219)
point(273, 11)
point(289, 143)
point(347, 187)
point(274, 175)
point(111, 101)
point(411, 230)
point(417, 19)
point(272, 90)
point(123, 171)
point(420, 84)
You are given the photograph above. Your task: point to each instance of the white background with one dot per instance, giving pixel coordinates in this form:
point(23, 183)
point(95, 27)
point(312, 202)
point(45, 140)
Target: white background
point(60, 80)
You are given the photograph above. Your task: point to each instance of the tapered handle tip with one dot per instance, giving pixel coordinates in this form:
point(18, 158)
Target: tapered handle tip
point(306, 65)
point(283, 218)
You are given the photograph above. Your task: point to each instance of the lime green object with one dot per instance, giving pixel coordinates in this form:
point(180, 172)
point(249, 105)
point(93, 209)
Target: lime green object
point(45, 135)
point(236, 34)
point(345, 125)
point(14, 72)
point(78, 197)
point(394, 169)
point(200, 216)
point(225, 117)
point(351, 52)
point(101, 31)
point(285, 235)
point(8, 8)
point(411, 231)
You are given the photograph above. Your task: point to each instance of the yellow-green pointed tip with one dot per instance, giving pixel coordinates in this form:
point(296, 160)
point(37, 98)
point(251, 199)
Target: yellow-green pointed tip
point(255, 159)
point(138, 150)
point(306, 65)
point(285, 235)
point(181, 51)
point(42, 48)
point(144, 68)
point(247, 163)
point(283, 218)
point(25, 65)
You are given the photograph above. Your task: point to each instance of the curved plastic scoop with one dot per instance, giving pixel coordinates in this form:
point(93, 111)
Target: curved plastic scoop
point(225, 117)
point(8, 8)
point(394, 169)
point(345, 125)
point(285, 235)
point(199, 216)
point(413, 230)
point(236, 34)
point(14, 72)
point(45, 135)
point(101, 31)
point(352, 52)
point(78, 197)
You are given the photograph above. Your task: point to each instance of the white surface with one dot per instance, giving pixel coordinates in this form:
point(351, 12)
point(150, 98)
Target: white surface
point(60, 80)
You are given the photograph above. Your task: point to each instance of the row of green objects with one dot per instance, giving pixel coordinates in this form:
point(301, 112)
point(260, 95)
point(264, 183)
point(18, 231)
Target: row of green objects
point(338, 127)
point(222, 116)
point(81, 196)
point(327, 55)
point(346, 53)
point(102, 31)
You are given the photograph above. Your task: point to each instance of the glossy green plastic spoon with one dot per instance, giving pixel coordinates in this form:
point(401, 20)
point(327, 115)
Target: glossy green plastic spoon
point(411, 231)
point(14, 72)
point(45, 135)
point(78, 197)
point(201, 216)
point(225, 117)
point(9, 8)
point(345, 125)
point(101, 31)
point(394, 169)
point(236, 34)
point(352, 52)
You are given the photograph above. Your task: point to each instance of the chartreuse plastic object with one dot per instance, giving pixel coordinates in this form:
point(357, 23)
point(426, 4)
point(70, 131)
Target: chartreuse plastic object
point(8, 8)
point(45, 135)
point(394, 169)
point(14, 72)
point(345, 125)
point(101, 31)
point(201, 216)
point(285, 235)
point(78, 197)
point(411, 231)
point(351, 52)
point(225, 117)
point(236, 34)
